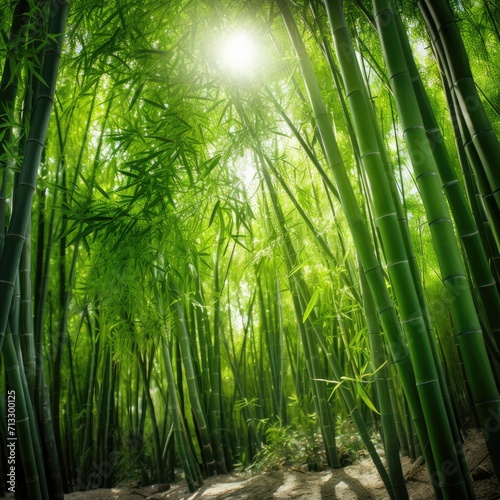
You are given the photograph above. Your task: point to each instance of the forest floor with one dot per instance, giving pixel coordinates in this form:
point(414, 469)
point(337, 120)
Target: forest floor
point(357, 481)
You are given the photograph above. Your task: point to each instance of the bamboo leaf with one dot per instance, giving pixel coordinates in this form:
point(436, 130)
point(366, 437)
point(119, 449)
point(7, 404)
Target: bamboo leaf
point(158, 105)
point(311, 305)
point(211, 164)
point(136, 95)
point(101, 190)
point(160, 138)
point(214, 212)
point(364, 396)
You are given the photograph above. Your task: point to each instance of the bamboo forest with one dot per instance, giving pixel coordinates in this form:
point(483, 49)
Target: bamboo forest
point(246, 240)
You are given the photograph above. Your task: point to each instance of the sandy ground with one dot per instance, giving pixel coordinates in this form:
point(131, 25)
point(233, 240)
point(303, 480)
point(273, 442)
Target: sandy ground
point(358, 481)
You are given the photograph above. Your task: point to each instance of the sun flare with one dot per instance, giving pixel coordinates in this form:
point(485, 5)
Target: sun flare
point(238, 54)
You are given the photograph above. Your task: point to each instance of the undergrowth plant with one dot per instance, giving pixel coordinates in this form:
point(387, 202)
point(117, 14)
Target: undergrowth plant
point(289, 446)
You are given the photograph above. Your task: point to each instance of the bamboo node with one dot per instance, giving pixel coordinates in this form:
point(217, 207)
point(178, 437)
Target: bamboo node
point(413, 319)
point(371, 153)
point(397, 263)
point(486, 402)
point(423, 174)
point(455, 276)
point(390, 214)
point(469, 332)
point(493, 283)
point(382, 311)
point(470, 235)
point(15, 235)
point(32, 139)
point(432, 381)
point(441, 219)
point(349, 94)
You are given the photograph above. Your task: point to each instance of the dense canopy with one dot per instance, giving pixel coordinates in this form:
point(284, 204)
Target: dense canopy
point(246, 235)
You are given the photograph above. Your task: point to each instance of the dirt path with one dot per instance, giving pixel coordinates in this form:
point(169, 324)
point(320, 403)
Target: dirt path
point(358, 481)
point(348, 483)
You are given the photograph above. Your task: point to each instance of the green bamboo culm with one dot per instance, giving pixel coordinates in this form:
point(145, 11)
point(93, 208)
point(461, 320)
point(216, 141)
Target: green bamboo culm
point(214, 407)
point(383, 381)
point(144, 374)
point(311, 352)
point(17, 231)
point(14, 241)
point(173, 402)
point(311, 334)
point(360, 235)
point(459, 297)
point(26, 333)
point(85, 444)
point(411, 309)
point(8, 94)
point(194, 395)
point(482, 277)
point(481, 273)
point(173, 406)
point(26, 352)
point(24, 444)
point(464, 87)
point(483, 206)
point(11, 73)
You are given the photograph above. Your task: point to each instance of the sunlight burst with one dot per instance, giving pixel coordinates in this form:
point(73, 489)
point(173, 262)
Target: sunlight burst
point(238, 54)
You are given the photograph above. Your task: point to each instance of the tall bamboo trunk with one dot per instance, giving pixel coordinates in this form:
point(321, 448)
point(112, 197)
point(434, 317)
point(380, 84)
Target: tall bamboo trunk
point(194, 396)
point(467, 327)
point(383, 381)
point(362, 238)
point(462, 84)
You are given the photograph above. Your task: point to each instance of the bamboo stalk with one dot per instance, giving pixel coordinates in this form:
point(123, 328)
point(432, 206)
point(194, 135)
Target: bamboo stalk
point(173, 405)
point(466, 227)
point(467, 328)
point(359, 233)
point(198, 411)
point(383, 380)
point(11, 255)
point(462, 84)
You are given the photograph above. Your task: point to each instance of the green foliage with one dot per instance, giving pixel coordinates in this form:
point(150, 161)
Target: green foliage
point(297, 445)
point(192, 264)
point(350, 446)
point(290, 446)
point(134, 464)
